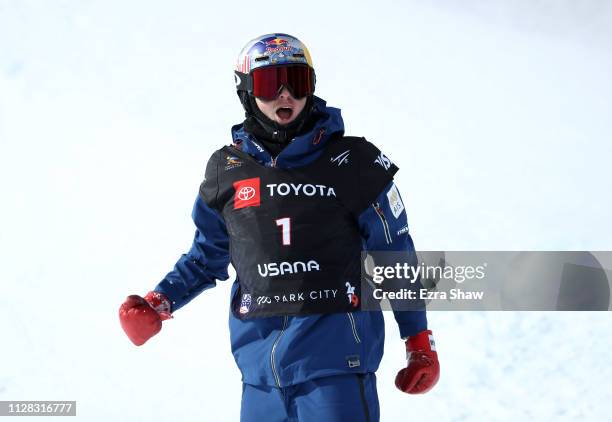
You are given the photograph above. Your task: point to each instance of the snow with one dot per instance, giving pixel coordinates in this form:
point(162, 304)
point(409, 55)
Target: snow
point(497, 115)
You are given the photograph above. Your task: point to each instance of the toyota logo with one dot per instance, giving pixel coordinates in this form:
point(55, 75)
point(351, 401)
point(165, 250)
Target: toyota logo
point(246, 193)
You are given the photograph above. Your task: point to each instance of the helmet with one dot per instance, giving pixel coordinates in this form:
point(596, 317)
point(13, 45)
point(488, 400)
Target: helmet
point(276, 50)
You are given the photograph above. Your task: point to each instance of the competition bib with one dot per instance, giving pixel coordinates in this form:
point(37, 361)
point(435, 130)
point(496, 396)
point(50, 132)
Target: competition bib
point(294, 237)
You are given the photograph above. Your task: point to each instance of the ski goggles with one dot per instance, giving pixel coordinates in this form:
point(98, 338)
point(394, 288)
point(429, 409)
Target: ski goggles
point(267, 82)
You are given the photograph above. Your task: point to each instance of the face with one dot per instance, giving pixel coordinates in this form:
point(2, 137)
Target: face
point(283, 109)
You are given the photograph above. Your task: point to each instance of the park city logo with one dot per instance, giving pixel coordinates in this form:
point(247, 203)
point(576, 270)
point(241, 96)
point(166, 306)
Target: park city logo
point(247, 193)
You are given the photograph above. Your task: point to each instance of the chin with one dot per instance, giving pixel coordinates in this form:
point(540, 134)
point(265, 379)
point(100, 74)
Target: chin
point(285, 123)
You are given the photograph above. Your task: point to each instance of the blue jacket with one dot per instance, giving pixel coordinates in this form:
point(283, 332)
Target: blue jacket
point(283, 351)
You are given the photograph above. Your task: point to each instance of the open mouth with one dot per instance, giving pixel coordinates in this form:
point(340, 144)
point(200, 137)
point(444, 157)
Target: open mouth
point(284, 113)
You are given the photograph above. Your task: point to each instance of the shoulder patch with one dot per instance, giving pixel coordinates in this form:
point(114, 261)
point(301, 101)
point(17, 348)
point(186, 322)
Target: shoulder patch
point(368, 172)
point(395, 201)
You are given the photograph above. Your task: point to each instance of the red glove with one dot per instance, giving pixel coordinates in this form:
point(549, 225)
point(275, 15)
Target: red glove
point(141, 318)
point(423, 369)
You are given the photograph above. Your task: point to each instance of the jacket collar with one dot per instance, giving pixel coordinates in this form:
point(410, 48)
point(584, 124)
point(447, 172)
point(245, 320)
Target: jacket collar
point(302, 149)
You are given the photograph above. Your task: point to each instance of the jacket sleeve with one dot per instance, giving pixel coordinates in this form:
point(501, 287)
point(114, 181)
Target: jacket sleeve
point(206, 261)
point(384, 227)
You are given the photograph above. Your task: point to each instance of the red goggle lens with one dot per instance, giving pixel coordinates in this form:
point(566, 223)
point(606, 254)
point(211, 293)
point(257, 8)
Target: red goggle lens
point(267, 81)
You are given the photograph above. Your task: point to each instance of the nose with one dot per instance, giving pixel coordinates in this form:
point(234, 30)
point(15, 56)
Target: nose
point(285, 93)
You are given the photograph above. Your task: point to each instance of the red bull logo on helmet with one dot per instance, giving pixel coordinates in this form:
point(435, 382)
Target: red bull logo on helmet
point(272, 49)
point(277, 45)
point(276, 42)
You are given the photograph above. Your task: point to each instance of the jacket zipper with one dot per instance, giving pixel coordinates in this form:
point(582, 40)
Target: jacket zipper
point(274, 372)
point(353, 327)
point(383, 220)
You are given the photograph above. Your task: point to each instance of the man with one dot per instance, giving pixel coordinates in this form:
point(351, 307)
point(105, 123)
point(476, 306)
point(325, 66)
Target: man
point(291, 204)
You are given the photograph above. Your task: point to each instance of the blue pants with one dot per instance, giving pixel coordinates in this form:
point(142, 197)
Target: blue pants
point(350, 397)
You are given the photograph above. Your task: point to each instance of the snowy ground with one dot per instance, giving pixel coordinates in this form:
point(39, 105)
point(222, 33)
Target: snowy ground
point(498, 116)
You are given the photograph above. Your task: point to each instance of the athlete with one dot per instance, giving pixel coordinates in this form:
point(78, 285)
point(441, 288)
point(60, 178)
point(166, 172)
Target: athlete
point(292, 203)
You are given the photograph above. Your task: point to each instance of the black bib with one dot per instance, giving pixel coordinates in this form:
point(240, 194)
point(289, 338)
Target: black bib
point(294, 237)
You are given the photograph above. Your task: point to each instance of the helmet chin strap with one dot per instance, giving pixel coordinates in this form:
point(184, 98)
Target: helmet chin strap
point(275, 131)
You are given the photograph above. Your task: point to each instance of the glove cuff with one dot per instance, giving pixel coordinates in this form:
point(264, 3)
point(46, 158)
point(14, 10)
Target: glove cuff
point(160, 303)
point(421, 342)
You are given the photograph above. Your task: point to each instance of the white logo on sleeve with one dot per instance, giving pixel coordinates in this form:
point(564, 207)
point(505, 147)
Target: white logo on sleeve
point(259, 148)
point(402, 230)
point(395, 201)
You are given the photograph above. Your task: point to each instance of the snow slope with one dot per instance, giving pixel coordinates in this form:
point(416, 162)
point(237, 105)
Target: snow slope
point(497, 115)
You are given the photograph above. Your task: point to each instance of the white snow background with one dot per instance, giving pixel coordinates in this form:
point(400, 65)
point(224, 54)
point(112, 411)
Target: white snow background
point(497, 113)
